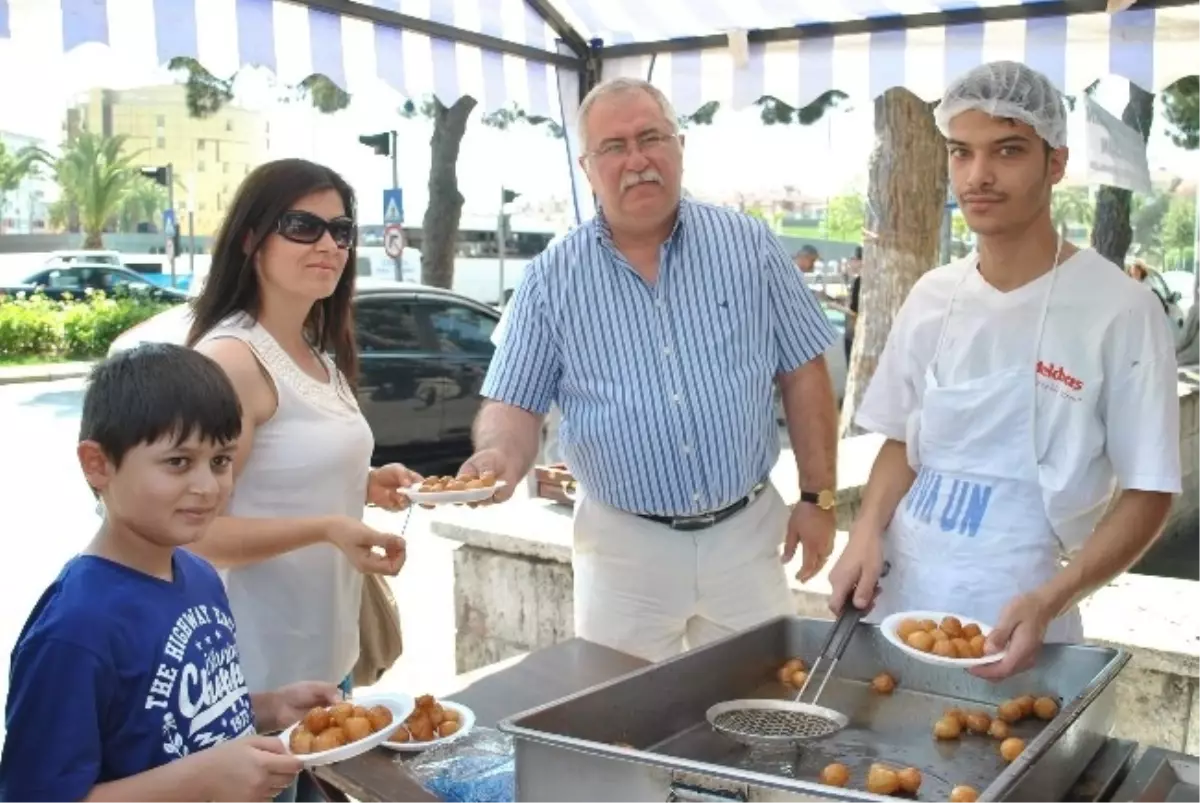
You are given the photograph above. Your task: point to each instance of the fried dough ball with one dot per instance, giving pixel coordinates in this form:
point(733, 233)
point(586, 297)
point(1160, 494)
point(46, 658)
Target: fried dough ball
point(907, 627)
point(799, 678)
point(921, 640)
point(970, 631)
point(928, 625)
point(301, 742)
point(910, 780)
point(448, 728)
point(963, 794)
point(1045, 708)
point(356, 728)
point(977, 643)
point(1026, 701)
point(1011, 747)
point(882, 780)
point(835, 775)
point(951, 626)
point(999, 729)
point(450, 715)
point(472, 485)
point(978, 722)
point(1009, 711)
point(962, 648)
point(947, 728)
point(360, 711)
point(380, 717)
point(940, 635)
point(883, 683)
point(400, 735)
point(957, 714)
point(421, 731)
point(790, 667)
point(316, 720)
point(944, 648)
point(488, 478)
point(340, 713)
point(436, 716)
point(425, 701)
point(456, 485)
point(329, 739)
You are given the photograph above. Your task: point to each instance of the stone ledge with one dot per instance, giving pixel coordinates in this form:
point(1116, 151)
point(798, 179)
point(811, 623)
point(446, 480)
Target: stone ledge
point(1155, 618)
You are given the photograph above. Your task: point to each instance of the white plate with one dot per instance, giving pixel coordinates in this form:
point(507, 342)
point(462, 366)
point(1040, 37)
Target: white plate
point(451, 497)
point(401, 705)
point(889, 625)
point(465, 716)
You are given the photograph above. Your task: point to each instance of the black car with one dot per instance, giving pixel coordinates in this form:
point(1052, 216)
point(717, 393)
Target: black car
point(76, 278)
point(423, 353)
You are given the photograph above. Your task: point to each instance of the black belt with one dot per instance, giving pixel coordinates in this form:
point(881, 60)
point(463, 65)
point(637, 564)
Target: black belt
point(706, 520)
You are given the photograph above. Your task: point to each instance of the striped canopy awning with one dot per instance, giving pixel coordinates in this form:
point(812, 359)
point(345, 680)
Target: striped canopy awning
point(505, 52)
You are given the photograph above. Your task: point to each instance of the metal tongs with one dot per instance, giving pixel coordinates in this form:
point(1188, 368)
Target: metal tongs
point(838, 639)
point(788, 723)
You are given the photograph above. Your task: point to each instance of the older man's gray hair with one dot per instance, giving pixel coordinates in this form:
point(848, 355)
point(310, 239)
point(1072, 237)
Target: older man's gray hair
point(614, 86)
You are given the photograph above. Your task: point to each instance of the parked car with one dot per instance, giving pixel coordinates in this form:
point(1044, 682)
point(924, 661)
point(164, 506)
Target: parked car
point(76, 278)
point(423, 354)
point(1173, 304)
point(91, 257)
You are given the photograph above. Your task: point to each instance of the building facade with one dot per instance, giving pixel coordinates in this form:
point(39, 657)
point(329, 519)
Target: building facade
point(210, 156)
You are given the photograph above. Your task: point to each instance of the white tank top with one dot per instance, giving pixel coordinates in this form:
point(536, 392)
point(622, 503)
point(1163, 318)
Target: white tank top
point(297, 613)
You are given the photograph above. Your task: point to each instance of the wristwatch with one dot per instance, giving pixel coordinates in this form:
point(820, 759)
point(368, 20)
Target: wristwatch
point(826, 499)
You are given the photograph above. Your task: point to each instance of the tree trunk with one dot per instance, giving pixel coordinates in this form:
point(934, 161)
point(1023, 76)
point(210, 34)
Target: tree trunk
point(1112, 231)
point(93, 241)
point(906, 199)
point(440, 226)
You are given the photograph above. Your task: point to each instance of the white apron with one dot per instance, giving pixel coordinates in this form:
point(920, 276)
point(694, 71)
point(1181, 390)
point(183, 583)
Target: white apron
point(972, 533)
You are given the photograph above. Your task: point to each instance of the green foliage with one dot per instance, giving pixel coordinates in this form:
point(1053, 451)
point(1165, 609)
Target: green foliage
point(96, 176)
point(772, 110)
point(845, 218)
point(1179, 227)
point(1181, 108)
point(206, 94)
point(40, 328)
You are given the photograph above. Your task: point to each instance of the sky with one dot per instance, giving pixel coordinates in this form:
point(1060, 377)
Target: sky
point(735, 154)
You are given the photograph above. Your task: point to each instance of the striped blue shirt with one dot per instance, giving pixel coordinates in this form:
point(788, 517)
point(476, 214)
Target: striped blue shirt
point(666, 389)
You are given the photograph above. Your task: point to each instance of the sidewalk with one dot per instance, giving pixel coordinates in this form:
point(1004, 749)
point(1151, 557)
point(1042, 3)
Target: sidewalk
point(43, 372)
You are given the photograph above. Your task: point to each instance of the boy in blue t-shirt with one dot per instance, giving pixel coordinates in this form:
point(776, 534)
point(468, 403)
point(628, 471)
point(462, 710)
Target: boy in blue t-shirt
point(125, 682)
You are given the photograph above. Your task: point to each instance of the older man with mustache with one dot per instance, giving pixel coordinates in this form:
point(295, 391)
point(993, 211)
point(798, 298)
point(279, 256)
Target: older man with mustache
point(660, 328)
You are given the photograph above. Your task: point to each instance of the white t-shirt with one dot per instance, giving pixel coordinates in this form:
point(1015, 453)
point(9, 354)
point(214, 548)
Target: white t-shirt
point(1107, 400)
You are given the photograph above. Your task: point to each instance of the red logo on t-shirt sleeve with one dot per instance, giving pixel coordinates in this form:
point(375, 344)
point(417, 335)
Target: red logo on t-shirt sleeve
point(1056, 373)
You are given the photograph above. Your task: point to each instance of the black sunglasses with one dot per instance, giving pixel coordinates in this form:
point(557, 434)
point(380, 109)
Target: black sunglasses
point(307, 228)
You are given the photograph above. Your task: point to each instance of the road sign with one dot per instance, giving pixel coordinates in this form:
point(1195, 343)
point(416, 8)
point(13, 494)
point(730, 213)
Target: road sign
point(393, 206)
point(169, 222)
point(393, 240)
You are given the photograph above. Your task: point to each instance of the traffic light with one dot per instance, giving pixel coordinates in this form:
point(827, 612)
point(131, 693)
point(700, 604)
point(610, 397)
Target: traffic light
point(381, 143)
point(159, 175)
point(509, 196)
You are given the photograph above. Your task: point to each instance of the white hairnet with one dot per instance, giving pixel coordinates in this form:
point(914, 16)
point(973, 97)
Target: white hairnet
point(1011, 90)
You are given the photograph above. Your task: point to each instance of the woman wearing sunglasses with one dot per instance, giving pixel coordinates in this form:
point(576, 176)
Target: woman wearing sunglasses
point(276, 314)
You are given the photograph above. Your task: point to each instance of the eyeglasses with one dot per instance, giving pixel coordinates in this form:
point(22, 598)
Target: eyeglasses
point(646, 142)
point(307, 228)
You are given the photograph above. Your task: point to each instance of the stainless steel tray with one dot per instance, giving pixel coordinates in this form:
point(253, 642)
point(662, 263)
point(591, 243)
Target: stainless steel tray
point(571, 749)
point(1161, 775)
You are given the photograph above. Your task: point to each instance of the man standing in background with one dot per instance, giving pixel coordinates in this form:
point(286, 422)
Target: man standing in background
point(806, 259)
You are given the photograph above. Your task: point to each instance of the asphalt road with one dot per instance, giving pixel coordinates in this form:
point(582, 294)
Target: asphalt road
point(47, 514)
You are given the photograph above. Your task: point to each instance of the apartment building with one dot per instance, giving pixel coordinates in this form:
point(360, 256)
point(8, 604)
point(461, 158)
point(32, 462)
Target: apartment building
point(210, 156)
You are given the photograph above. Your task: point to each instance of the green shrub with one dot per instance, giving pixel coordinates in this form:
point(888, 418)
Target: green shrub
point(77, 329)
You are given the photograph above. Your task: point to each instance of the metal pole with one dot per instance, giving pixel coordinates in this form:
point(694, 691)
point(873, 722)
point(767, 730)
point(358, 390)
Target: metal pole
point(500, 246)
point(171, 205)
point(191, 243)
point(399, 260)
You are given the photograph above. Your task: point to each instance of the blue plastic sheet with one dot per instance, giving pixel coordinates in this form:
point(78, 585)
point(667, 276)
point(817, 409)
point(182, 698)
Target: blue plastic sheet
point(478, 768)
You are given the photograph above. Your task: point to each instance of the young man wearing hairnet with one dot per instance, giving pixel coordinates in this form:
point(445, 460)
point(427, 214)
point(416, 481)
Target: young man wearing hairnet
point(1020, 386)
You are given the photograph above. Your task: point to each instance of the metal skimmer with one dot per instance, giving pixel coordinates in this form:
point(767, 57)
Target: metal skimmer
point(789, 723)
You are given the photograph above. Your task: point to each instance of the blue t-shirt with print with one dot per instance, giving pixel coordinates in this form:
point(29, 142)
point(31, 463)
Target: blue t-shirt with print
point(117, 672)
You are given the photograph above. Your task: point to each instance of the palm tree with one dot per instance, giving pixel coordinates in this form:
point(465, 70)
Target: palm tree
point(96, 176)
point(143, 204)
point(15, 168)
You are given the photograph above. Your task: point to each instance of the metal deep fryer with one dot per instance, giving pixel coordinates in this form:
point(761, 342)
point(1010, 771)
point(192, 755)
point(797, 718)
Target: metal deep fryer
point(645, 736)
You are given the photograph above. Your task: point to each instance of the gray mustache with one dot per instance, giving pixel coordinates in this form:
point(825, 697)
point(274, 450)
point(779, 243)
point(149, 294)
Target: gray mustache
point(632, 179)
